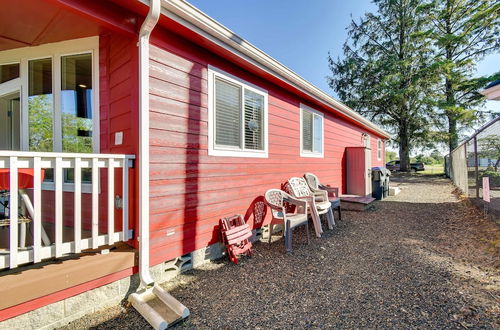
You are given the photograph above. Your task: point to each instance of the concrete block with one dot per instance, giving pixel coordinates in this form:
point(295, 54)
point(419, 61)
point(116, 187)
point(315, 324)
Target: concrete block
point(64, 321)
point(185, 262)
point(158, 272)
point(204, 255)
point(115, 301)
point(129, 285)
point(257, 235)
point(393, 191)
point(36, 319)
point(89, 299)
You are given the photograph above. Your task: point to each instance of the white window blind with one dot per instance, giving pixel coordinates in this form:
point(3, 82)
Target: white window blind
point(307, 131)
point(254, 121)
point(312, 133)
point(318, 134)
point(227, 114)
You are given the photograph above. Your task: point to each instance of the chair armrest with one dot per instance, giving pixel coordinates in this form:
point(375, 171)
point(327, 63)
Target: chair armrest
point(273, 207)
point(297, 202)
point(332, 191)
point(321, 194)
point(301, 204)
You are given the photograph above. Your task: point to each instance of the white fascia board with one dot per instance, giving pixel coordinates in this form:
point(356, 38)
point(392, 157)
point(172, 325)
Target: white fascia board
point(194, 19)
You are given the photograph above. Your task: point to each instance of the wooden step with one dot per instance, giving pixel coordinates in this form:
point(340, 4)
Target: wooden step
point(356, 203)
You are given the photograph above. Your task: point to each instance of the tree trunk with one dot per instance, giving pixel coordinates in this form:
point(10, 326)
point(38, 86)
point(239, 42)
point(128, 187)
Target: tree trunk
point(452, 132)
point(452, 122)
point(404, 150)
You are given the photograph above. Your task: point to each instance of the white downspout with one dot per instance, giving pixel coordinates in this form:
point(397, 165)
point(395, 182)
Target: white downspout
point(145, 32)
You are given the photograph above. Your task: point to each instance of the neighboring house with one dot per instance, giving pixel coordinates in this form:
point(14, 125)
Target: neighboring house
point(492, 90)
point(224, 123)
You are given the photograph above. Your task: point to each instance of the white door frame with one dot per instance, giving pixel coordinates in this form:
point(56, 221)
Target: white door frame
point(10, 87)
point(13, 87)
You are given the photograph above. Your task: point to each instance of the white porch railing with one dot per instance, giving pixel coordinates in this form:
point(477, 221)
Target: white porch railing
point(15, 160)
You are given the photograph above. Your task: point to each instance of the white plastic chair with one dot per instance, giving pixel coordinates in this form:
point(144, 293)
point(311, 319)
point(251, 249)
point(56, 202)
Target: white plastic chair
point(317, 201)
point(333, 192)
point(277, 199)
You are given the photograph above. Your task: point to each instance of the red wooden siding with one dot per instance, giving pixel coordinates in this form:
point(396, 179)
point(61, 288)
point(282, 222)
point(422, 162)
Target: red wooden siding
point(190, 190)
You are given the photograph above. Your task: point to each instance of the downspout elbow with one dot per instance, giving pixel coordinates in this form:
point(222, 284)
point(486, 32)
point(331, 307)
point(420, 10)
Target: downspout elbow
point(151, 19)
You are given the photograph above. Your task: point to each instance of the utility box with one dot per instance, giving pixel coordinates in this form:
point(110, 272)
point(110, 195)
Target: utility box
point(358, 171)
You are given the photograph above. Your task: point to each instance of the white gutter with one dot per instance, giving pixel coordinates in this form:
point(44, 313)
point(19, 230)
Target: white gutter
point(155, 304)
point(146, 29)
point(187, 15)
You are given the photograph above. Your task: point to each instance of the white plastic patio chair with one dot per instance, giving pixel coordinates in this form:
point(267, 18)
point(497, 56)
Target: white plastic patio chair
point(277, 199)
point(318, 201)
point(333, 192)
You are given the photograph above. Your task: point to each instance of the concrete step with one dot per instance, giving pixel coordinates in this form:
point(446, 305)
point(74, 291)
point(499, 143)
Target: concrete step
point(393, 191)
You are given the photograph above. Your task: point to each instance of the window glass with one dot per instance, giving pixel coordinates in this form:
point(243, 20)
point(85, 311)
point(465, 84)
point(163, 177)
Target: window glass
point(254, 121)
point(312, 133)
point(9, 72)
point(76, 103)
point(307, 129)
point(40, 105)
point(227, 114)
point(318, 134)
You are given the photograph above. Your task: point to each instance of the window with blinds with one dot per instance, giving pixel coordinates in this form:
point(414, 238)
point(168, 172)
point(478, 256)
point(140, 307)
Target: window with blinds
point(311, 132)
point(239, 117)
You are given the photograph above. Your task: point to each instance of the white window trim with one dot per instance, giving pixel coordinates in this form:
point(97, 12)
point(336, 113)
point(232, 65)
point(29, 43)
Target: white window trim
point(380, 144)
point(312, 154)
point(214, 150)
point(55, 51)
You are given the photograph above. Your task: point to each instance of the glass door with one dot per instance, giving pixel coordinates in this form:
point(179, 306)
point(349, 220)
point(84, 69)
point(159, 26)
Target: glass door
point(10, 121)
point(10, 107)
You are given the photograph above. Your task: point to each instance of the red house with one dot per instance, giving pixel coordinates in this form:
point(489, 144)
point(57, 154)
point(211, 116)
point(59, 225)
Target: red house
point(127, 146)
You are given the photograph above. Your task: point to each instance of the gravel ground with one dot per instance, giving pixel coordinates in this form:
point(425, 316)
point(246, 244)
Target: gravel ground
point(422, 259)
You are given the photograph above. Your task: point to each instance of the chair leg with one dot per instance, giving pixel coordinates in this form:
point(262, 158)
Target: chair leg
point(316, 221)
point(329, 217)
point(307, 233)
point(340, 213)
point(270, 233)
point(288, 237)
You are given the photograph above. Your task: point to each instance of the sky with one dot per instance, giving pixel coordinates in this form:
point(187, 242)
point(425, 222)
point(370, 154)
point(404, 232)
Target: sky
point(300, 33)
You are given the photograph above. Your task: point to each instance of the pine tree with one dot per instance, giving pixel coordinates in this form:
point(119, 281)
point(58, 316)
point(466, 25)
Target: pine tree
point(462, 32)
point(384, 73)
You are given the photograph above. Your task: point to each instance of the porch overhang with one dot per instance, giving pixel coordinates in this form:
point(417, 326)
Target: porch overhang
point(35, 22)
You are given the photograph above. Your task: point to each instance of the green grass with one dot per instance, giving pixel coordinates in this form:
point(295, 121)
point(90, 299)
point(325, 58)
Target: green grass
point(433, 169)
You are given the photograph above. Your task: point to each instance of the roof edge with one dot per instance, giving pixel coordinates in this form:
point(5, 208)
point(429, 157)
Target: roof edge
point(193, 18)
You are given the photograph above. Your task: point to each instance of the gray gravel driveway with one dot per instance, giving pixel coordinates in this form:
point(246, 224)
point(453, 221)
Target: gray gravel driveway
point(420, 260)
